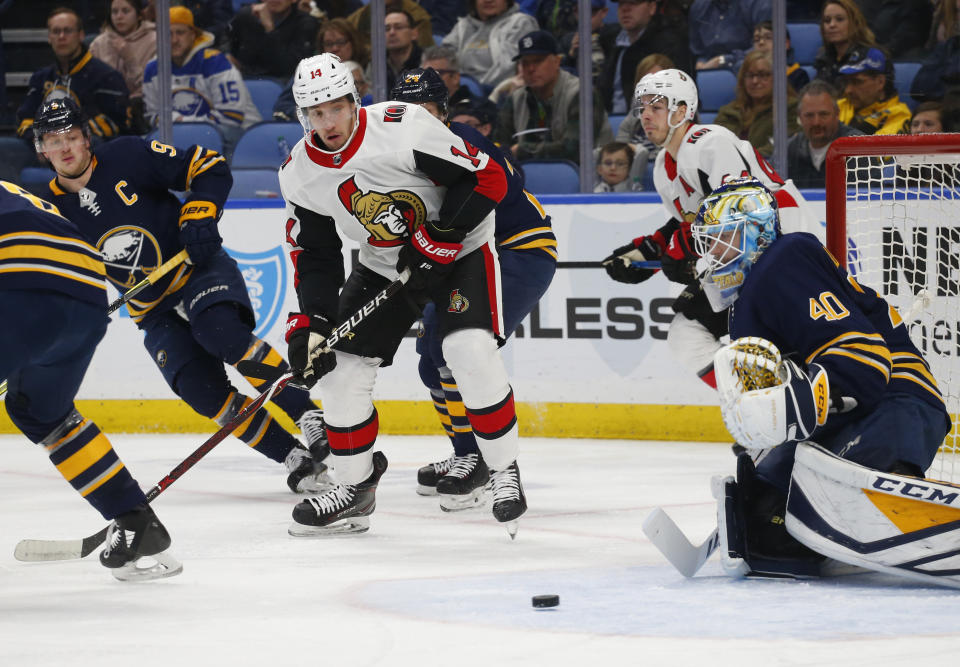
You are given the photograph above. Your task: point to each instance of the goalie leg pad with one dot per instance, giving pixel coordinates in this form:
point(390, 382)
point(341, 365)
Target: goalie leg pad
point(906, 526)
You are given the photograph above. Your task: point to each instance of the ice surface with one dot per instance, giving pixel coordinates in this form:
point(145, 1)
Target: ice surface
point(428, 588)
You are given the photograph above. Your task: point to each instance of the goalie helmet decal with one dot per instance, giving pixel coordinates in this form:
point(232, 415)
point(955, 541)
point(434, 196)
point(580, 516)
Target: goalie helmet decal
point(734, 225)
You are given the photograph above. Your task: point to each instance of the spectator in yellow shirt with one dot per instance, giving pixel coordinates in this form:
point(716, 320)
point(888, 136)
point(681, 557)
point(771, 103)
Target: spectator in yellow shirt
point(870, 102)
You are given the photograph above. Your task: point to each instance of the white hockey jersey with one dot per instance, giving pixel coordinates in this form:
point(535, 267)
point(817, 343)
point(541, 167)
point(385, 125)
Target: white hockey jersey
point(710, 155)
point(401, 168)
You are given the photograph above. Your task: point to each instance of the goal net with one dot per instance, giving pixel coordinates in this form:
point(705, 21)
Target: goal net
point(893, 218)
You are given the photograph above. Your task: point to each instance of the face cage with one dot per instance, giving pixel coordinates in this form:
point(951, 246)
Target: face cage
point(708, 236)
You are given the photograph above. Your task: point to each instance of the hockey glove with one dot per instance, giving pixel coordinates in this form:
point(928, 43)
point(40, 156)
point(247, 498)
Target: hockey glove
point(429, 256)
point(759, 418)
point(680, 259)
point(198, 231)
point(307, 349)
point(693, 304)
point(619, 265)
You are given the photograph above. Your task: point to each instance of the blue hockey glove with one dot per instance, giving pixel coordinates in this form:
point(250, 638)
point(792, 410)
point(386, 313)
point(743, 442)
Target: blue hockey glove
point(198, 231)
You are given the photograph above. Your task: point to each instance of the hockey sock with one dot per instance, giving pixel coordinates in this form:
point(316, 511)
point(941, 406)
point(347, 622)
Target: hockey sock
point(351, 447)
point(464, 441)
point(261, 431)
point(86, 459)
point(292, 400)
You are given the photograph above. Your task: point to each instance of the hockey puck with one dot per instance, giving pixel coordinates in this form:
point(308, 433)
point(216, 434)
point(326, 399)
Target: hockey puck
point(545, 601)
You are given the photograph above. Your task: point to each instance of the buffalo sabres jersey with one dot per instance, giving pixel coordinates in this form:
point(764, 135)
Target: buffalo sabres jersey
point(401, 168)
point(127, 209)
point(798, 297)
point(710, 155)
point(42, 250)
point(520, 221)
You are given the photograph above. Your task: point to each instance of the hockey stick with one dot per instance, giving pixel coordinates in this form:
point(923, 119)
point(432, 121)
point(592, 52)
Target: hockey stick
point(154, 276)
point(666, 536)
point(45, 550)
point(645, 264)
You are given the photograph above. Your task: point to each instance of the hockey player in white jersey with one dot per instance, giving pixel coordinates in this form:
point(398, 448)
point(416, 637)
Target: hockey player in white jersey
point(695, 160)
point(417, 198)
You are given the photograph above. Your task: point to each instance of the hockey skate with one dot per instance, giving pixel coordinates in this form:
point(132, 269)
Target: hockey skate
point(134, 536)
point(509, 501)
point(344, 509)
point(307, 472)
point(430, 474)
point(463, 486)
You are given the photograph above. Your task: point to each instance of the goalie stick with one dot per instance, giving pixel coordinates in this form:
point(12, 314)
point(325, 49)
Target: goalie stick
point(667, 537)
point(48, 550)
point(154, 276)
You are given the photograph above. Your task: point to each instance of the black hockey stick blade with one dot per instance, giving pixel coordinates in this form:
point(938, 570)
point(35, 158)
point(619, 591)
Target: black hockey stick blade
point(154, 276)
point(50, 550)
point(258, 371)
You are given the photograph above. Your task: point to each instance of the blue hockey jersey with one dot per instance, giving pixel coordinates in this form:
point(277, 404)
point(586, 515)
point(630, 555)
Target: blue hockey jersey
point(521, 223)
point(798, 297)
point(128, 212)
point(42, 250)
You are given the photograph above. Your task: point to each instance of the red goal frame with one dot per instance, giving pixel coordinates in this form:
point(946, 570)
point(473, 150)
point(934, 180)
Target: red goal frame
point(836, 173)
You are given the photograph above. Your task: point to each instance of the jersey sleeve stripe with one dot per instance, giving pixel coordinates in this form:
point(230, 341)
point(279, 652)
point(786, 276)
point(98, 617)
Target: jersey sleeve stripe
point(61, 273)
point(882, 368)
point(919, 381)
point(844, 338)
point(67, 258)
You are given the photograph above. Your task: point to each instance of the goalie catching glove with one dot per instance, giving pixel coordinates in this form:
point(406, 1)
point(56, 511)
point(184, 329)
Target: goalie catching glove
point(429, 255)
point(767, 400)
point(307, 350)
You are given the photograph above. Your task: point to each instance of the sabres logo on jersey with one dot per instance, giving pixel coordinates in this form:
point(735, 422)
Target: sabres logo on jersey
point(389, 217)
point(130, 254)
point(458, 302)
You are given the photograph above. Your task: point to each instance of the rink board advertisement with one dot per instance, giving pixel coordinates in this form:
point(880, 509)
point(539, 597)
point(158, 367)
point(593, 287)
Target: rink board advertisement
point(594, 347)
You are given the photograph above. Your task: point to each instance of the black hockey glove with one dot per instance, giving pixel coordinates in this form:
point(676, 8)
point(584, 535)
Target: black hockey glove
point(619, 264)
point(693, 304)
point(429, 254)
point(306, 339)
point(198, 231)
point(679, 262)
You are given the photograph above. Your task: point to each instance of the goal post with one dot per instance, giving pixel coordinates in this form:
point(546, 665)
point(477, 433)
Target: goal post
point(893, 221)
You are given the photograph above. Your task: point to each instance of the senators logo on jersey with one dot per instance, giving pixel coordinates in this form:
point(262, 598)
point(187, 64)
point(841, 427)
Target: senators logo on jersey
point(390, 218)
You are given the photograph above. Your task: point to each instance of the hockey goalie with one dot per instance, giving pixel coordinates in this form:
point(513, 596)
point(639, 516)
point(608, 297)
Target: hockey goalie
point(821, 375)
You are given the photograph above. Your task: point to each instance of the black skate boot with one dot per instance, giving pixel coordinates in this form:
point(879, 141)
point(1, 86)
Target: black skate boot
point(462, 487)
point(509, 502)
point(344, 509)
point(314, 431)
point(308, 473)
point(132, 536)
point(430, 474)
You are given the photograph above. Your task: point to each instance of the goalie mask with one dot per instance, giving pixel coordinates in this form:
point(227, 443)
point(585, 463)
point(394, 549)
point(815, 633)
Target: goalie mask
point(320, 79)
point(734, 225)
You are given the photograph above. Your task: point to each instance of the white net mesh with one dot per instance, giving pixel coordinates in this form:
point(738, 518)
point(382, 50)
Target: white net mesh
point(903, 240)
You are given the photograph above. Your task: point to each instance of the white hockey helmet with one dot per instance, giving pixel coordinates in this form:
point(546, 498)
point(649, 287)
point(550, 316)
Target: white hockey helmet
point(675, 86)
point(320, 79)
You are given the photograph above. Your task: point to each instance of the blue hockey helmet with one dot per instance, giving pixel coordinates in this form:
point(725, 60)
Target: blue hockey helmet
point(420, 85)
point(56, 116)
point(734, 225)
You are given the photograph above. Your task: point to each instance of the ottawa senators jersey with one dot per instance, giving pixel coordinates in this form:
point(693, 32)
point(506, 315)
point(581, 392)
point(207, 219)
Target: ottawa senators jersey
point(401, 168)
point(710, 155)
point(798, 297)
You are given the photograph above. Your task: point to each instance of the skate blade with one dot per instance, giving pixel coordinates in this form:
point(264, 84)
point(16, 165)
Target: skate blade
point(469, 501)
point(351, 526)
point(426, 490)
point(512, 527)
point(157, 566)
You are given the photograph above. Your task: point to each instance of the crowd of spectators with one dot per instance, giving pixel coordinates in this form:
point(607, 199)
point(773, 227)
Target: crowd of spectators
point(510, 67)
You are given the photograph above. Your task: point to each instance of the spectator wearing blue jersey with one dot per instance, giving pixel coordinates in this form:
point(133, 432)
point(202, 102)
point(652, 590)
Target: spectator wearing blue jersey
point(96, 87)
point(206, 87)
